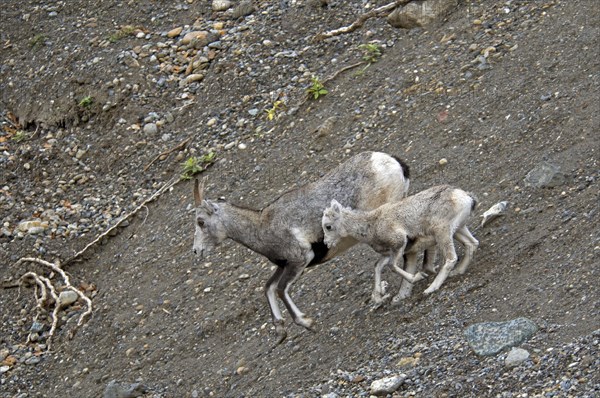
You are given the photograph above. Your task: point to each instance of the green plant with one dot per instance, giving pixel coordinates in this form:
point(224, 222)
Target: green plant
point(371, 52)
point(317, 88)
point(86, 101)
point(271, 113)
point(124, 31)
point(37, 40)
point(195, 164)
point(19, 136)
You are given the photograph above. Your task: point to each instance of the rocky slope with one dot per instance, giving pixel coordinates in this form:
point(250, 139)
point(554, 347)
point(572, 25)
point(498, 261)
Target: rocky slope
point(101, 103)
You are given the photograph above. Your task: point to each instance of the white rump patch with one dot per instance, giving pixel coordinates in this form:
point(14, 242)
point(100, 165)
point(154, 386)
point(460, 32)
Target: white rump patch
point(389, 172)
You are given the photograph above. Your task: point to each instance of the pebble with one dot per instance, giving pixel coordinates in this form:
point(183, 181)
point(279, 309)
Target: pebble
point(194, 35)
point(4, 369)
point(67, 297)
point(32, 360)
point(174, 32)
point(516, 356)
point(387, 385)
point(221, 5)
point(150, 128)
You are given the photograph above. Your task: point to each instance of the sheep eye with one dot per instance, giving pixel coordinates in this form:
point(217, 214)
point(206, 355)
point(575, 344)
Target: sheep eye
point(328, 227)
point(200, 223)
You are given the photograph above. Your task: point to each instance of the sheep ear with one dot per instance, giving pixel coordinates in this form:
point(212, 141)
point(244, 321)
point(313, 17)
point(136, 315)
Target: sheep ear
point(210, 207)
point(336, 206)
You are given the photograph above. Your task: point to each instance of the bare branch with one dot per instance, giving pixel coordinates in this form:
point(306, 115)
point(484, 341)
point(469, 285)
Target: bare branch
point(162, 190)
point(382, 11)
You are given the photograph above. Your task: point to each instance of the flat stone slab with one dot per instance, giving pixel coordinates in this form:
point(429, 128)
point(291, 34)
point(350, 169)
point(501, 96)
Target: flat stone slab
point(489, 338)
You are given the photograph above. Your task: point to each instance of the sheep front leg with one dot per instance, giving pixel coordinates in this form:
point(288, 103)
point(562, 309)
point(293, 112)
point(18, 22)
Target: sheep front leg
point(378, 295)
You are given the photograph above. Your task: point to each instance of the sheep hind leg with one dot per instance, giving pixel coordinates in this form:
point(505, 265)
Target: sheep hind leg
point(447, 245)
point(463, 235)
point(270, 292)
point(290, 274)
point(409, 276)
point(429, 257)
point(378, 296)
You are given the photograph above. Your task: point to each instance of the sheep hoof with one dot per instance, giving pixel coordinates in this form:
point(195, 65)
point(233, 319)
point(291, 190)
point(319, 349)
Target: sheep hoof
point(378, 299)
point(281, 332)
point(420, 276)
point(429, 290)
point(399, 297)
point(305, 322)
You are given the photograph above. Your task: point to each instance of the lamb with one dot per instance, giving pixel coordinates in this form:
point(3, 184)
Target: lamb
point(416, 223)
point(288, 231)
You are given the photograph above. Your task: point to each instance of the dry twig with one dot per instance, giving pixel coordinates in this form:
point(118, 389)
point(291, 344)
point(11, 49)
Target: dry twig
point(45, 284)
point(177, 147)
point(374, 13)
point(155, 195)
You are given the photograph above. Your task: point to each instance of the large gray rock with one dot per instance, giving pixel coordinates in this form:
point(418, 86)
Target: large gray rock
point(490, 338)
point(116, 390)
point(545, 175)
point(420, 13)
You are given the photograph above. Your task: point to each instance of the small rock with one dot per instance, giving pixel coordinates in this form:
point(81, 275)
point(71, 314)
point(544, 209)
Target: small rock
point(174, 32)
point(32, 360)
point(32, 227)
point(242, 146)
point(443, 161)
point(516, 356)
point(420, 14)
point(4, 369)
point(387, 385)
point(36, 327)
point(194, 35)
point(221, 5)
point(67, 297)
point(194, 77)
point(493, 212)
point(150, 128)
point(245, 8)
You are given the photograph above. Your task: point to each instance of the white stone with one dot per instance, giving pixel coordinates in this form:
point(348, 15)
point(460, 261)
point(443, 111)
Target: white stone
point(221, 5)
point(67, 297)
point(516, 356)
point(387, 385)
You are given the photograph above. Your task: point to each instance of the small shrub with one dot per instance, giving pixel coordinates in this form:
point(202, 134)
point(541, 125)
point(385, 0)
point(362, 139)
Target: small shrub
point(121, 33)
point(86, 102)
point(195, 164)
point(37, 41)
point(19, 136)
point(371, 52)
point(317, 88)
point(271, 113)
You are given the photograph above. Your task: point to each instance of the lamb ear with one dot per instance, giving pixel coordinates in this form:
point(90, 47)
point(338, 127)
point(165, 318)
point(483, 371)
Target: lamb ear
point(336, 206)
